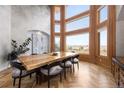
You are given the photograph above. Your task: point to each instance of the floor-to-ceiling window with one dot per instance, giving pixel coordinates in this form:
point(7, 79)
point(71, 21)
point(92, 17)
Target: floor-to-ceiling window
point(87, 30)
point(102, 19)
point(77, 24)
point(57, 16)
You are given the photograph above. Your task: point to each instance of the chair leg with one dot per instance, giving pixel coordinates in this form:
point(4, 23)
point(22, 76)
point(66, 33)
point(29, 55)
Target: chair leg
point(20, 79)
point(65, 73)
point(30, 76)
point(61, 77)
point(78, 65)
point(73, 68)
point(14, 81)
point(41, 78)
point(37, 78)
point(48, 76)
point(48, 81)
point(19, 82)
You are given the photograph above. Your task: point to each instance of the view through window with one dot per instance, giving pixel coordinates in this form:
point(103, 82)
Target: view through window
point(103, 14)
point(78, 24)
point(103, 41)
point(78, 43)
point(57, 27)
point(72, 10)
point(57, 43)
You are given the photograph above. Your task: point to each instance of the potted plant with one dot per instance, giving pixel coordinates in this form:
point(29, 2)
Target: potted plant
point(18, 49)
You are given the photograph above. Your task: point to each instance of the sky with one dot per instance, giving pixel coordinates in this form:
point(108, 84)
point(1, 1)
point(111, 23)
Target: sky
point(82, 39)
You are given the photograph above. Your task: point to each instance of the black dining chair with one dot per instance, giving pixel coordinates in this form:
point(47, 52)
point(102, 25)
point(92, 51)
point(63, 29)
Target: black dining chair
point(66, 64)
point(51, 70)
point(75, 60)
point(19, 71)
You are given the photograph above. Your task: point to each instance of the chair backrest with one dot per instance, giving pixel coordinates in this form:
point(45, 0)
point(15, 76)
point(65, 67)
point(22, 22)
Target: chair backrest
point(66, 59)
point(17, 65)
point(52, 64)
point(45, 53)
point(77, 56)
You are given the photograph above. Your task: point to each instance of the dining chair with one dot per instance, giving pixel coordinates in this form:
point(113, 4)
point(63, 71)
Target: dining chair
point(75, 60)
point(51, 70)
point(66, 64)
point(19, 71)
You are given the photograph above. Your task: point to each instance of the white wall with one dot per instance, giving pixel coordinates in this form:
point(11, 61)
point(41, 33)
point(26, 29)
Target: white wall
point(120, 31)
point(120, 38)
point(5, 34)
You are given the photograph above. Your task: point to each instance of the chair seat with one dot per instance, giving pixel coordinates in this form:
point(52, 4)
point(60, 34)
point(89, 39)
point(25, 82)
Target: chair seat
point(16, 72)
point(76, 60)
point(53, 70)
point(67, 64)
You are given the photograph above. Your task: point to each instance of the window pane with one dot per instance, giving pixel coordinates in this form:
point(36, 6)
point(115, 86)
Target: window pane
point(103, 41)
point(72, 10)
point(103, 14)
point(77, 24)
point(78, 43)
point(57, 27)
point(57, 43)
point(57, 13)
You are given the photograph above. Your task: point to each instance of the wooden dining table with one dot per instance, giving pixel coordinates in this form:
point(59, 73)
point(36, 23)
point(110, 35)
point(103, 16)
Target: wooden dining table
point(31, 62)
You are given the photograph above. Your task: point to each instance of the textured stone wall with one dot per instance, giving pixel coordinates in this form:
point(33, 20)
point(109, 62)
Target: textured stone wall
point(29, 17)
point(16, 21)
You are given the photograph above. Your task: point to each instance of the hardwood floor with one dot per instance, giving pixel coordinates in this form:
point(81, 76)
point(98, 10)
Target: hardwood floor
point(88, 76)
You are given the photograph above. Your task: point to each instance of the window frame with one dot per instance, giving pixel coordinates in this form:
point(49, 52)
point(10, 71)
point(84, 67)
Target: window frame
point(81, 30)
point(99, 26)
point(77, 31)
point(99, 8)
point(111, 30)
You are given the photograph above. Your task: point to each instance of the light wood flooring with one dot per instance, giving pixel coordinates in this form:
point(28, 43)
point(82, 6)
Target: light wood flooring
point(88, 76)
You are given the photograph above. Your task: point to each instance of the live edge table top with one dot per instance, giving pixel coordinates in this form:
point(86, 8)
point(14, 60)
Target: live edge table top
point(35, 61)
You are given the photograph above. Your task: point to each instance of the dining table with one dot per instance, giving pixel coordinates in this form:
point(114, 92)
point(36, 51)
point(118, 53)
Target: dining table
point(31, 62)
